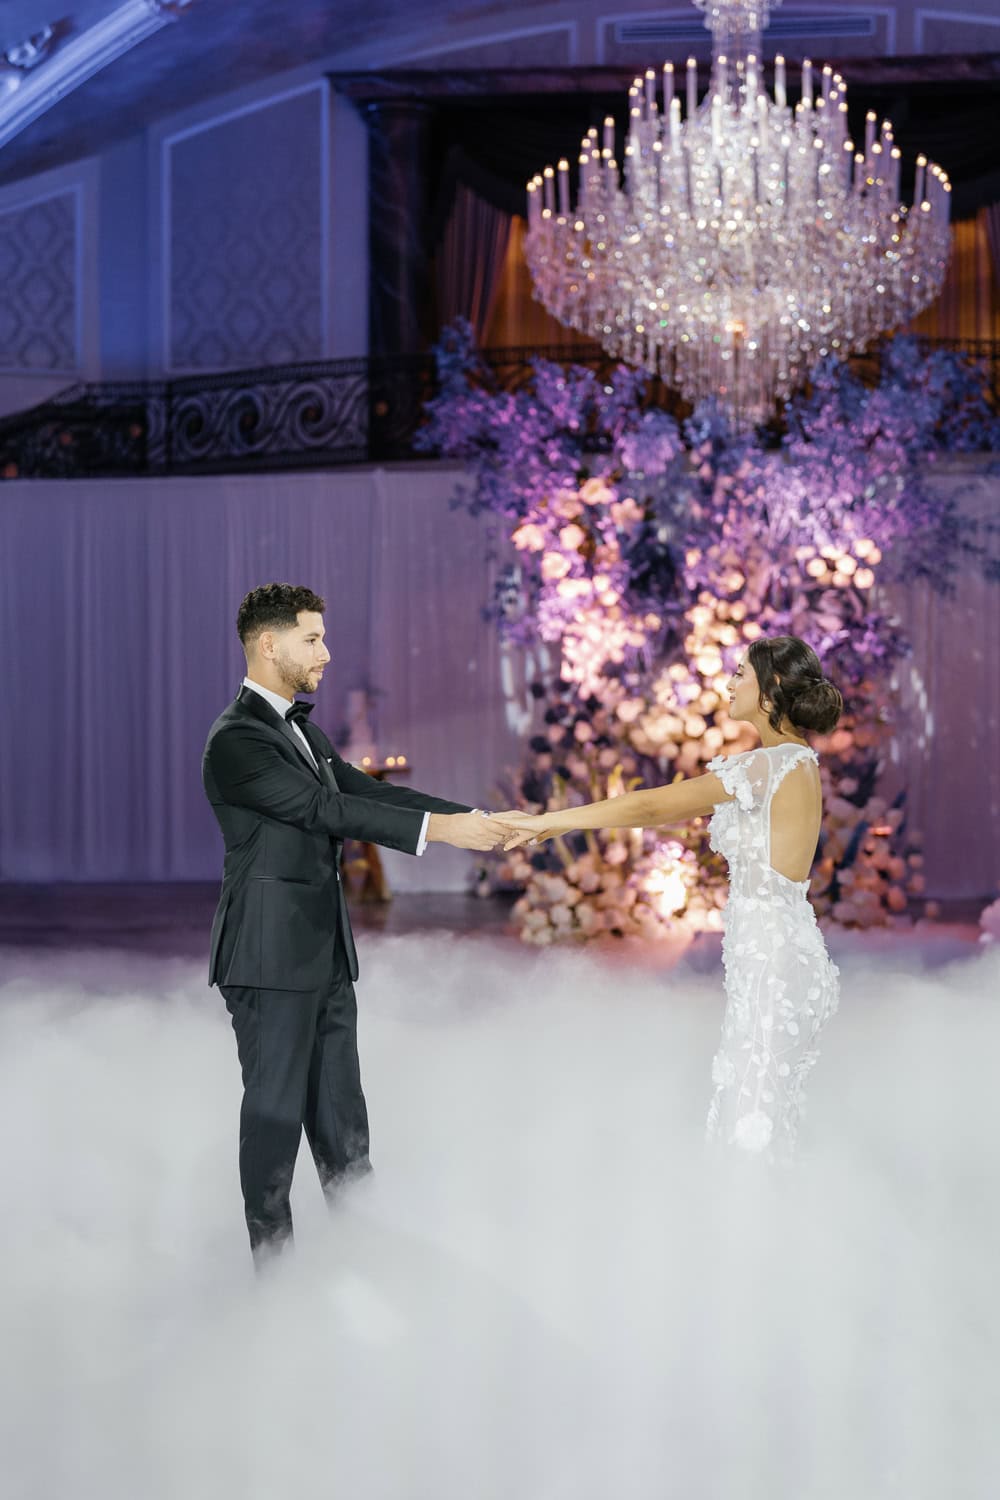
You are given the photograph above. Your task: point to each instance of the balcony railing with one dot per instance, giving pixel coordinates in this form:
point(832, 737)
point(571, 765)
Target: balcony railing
point(322, 415)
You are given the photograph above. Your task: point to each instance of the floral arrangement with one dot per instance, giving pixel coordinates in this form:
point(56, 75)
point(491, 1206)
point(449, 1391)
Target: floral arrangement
point(989, 923)
point(650, 553)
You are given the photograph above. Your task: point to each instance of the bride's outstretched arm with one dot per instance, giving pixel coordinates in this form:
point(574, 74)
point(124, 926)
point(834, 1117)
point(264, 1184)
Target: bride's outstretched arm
point(649, 808)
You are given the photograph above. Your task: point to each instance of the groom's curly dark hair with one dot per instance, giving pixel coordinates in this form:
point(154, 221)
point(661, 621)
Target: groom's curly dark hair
point(274, 606)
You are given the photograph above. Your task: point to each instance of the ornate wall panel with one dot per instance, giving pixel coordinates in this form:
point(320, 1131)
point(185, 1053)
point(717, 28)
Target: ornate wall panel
point(950, 30)
point(39, 322)
point(245, 236)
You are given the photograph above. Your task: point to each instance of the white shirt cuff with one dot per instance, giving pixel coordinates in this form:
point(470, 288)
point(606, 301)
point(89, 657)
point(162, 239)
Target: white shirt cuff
point(422, 840)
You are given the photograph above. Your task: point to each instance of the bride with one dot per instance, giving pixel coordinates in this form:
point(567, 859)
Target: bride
point(781, 986)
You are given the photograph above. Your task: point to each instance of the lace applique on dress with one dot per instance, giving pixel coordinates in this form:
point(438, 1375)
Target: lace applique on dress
point(781, 987)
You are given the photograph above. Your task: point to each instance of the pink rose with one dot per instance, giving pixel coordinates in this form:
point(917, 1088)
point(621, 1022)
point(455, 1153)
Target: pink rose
point(567, 505)
point(528, 537)
point(626, 513)
point(554, 566)
point(596, 492)
point(572, 538)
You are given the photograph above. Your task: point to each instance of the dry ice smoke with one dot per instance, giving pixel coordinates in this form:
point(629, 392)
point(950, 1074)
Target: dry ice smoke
point(547, 1291)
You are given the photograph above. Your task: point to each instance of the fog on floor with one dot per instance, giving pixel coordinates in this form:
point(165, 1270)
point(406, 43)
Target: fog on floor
point(548, 1290)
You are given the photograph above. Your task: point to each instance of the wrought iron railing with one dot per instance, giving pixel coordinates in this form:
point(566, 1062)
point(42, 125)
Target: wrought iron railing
point(322, 415)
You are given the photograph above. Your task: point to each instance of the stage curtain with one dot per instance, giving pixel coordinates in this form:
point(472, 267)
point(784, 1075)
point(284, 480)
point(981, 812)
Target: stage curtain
point(518, 320)
point(991, 218)
point(470, 260)
point(945, 698)
point(969, 304)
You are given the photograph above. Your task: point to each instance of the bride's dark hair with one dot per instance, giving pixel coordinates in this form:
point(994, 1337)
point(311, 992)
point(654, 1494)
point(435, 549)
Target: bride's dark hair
point(791, 679)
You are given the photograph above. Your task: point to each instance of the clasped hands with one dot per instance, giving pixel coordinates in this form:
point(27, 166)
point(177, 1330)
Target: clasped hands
point(522, 828)
point(476, 830)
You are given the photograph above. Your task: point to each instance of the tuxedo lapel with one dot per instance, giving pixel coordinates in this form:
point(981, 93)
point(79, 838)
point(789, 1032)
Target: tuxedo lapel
point(325, 768)
point(326, 774)
point(263, 711)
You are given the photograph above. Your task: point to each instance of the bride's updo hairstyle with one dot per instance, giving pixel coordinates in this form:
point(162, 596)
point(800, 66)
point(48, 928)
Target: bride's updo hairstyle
point(791, 680)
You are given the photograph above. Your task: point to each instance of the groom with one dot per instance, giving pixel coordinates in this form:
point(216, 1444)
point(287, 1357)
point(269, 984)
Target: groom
point(282, 952)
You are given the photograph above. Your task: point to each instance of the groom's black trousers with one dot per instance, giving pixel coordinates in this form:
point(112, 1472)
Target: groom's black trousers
point(299, 1056)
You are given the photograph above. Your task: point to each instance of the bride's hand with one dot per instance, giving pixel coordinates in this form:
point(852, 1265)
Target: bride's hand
point(523, 828)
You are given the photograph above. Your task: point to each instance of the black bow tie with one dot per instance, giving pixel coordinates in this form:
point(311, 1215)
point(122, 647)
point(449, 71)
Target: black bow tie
point(298, 713)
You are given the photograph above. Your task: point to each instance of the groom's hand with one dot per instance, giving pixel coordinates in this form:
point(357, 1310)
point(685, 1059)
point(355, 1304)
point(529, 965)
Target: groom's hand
point(522, 828)
point(465, 830)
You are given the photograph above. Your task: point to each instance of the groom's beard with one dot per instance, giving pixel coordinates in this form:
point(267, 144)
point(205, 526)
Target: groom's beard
point(295, 679)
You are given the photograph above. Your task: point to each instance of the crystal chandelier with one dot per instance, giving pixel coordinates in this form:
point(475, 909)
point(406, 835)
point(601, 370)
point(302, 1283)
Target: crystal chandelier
point(748, 238)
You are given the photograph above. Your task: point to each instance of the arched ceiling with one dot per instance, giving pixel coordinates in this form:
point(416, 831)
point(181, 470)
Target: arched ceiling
point(203, 48)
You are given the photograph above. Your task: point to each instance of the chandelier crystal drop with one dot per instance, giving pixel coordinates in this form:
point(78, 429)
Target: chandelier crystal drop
point(748, 239)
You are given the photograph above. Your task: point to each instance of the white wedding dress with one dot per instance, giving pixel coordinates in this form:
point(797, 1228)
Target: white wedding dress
point(781, 987)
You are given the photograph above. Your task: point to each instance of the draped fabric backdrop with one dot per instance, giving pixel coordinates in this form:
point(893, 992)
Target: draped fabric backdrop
point(969, 304)
point(469, 261)
point(118, 602)
point(518, 319)
point(991, 222)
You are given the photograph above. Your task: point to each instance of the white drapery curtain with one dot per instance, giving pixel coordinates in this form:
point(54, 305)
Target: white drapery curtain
point(118, 602)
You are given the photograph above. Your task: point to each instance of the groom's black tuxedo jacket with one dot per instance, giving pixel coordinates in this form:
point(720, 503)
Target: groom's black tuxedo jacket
point(282, 908)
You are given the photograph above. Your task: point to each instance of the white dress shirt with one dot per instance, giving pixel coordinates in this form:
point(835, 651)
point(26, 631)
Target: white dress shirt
point(281, 706)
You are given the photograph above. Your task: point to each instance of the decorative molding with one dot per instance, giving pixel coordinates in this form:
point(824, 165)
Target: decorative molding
point(41, 284)
point(29, 54)
point(949, 72)
point(31, 92)
point(169, 143)
point(692, 29)
point(977, 18)
point(404, 55)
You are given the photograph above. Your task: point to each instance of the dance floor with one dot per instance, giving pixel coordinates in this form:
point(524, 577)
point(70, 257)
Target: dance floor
point(547, 1291)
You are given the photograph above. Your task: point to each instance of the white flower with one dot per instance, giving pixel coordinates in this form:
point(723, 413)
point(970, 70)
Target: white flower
point(589, 919)
point(723, 1070)
point(554, 566)
point(541, 936)
point(572, 537)
point(596, 492)
point(567, 505)
point(753, 1132)
point(625, 513)
point(528, 537)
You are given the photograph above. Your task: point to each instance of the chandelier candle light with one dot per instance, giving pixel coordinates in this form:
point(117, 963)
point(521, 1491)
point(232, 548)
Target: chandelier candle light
point(748, 239)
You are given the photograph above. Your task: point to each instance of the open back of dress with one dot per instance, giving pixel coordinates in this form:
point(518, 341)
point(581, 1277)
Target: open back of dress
point(780, 984)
